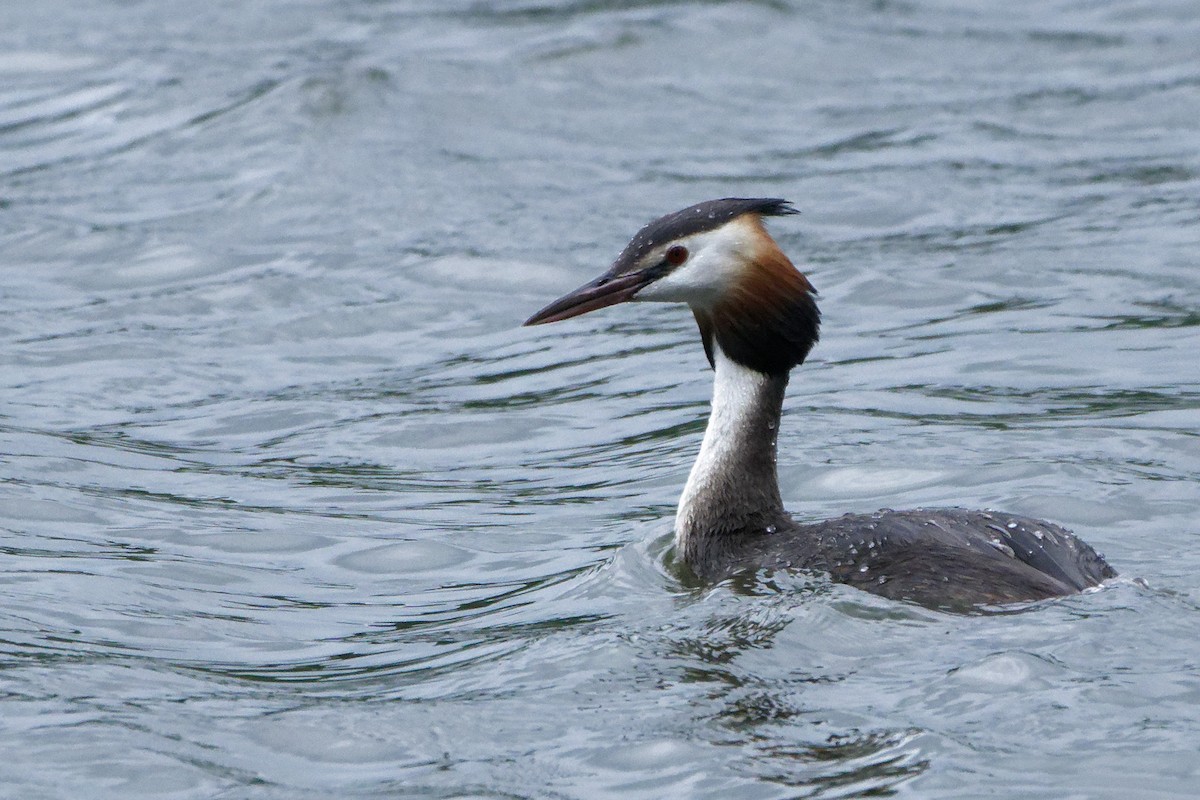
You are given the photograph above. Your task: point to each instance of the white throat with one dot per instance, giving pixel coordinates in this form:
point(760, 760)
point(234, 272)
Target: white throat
point(734, 474)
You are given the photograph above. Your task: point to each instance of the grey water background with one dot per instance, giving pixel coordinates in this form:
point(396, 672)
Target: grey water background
point(290, 507)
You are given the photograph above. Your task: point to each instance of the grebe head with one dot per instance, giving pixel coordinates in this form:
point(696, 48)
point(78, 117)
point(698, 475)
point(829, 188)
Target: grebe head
point(717, 257)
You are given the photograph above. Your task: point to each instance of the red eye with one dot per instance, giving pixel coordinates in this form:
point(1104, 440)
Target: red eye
point(676, 255)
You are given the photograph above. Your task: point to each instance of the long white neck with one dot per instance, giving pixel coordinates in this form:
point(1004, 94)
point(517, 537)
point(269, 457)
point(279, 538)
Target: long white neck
point(732, 493)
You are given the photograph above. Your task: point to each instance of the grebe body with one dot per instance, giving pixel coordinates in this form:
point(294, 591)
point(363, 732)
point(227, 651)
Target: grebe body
point(758, 319)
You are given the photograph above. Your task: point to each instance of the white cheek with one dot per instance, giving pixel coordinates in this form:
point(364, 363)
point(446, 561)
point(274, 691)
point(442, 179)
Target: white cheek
point(714, 264)
point(690, 283)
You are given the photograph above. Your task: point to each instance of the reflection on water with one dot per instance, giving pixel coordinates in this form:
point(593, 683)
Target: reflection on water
point(291, 507)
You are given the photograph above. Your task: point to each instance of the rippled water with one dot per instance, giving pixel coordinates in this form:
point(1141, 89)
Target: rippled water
point(290, 507)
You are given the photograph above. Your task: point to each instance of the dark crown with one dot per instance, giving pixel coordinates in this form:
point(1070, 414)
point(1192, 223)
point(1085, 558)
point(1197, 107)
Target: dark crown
point(706, 216)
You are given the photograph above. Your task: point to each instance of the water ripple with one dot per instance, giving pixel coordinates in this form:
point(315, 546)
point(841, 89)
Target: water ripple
point(290, 505)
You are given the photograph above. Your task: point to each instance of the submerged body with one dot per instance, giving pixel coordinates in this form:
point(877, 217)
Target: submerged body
point(758, 319)
point(731, 519)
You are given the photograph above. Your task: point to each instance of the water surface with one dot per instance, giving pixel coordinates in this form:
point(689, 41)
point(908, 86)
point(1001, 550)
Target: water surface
point(290, 507)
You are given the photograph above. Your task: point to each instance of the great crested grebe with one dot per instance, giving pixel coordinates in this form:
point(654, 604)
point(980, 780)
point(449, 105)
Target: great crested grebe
point(758, 319)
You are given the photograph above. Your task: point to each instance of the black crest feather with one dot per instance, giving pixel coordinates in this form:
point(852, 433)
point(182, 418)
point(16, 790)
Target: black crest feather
point(701, 217)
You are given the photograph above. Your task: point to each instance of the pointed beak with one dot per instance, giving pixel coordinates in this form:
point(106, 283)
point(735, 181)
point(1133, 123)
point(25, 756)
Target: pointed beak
point(607, 290)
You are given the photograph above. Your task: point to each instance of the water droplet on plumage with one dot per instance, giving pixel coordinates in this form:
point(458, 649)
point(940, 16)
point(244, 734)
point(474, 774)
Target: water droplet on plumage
point(1002, 547)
